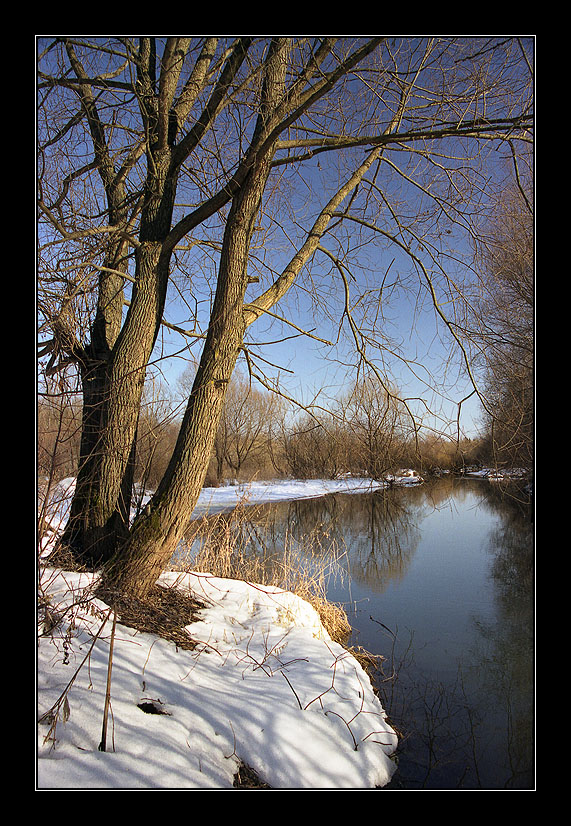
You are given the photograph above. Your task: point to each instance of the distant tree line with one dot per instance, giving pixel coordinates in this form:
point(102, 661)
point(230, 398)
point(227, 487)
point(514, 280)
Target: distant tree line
point(504, 329)
point(366, 432)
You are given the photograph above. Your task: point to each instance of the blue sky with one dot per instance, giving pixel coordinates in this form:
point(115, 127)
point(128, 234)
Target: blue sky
point(313, 367)
point(308, 369)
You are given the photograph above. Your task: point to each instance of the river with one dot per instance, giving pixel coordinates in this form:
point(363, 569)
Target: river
point(437, 579)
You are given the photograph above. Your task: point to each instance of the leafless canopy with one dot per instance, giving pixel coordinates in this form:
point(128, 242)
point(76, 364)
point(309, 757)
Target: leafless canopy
point(430, 119)
point(246, 190)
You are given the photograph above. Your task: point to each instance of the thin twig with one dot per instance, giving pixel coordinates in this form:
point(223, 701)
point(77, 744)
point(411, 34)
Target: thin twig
point(293, 689)
point(103, 743)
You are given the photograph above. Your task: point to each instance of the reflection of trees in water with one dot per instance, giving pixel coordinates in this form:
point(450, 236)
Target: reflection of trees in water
point(437, 735)
point(311, 525)
point(499, 671)
point(477, 731)
point(383, 547)
point(384, 550)
point(512, 547)
point(378, 532)
point(505, 646)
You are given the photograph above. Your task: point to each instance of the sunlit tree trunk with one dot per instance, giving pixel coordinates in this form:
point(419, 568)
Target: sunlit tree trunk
point(157, 531)
point(113, 377)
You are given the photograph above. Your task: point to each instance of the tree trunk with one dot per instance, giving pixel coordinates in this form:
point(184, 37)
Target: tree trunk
point(86, 529)
point(113, 380)
point(157, 531)
point(92, 531)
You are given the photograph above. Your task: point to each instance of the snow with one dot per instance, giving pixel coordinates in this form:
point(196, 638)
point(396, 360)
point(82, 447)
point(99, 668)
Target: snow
point(493, 474)
point(228, 496)
point(265, 685)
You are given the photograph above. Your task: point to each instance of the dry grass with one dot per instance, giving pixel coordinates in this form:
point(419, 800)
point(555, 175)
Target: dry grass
point(164, 612)
point(232, 546)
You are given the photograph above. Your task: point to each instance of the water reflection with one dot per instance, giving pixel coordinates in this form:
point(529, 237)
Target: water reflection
point(439, 581)
point(502, 653)
point(378, 532)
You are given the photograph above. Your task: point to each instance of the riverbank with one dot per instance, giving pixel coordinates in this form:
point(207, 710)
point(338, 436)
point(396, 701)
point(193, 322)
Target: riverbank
point(225, 497)
point(261, 684)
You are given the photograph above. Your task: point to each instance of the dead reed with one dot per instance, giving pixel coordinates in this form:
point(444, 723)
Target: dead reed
point(233, 546)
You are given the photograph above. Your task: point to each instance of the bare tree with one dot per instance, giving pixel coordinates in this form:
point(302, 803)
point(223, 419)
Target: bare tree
point(315, 447)
point(378, 426)
point(240, 173)
point(506, 329)
point(245, 424)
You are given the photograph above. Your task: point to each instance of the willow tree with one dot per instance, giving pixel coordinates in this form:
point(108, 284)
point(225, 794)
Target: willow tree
point(153, 151)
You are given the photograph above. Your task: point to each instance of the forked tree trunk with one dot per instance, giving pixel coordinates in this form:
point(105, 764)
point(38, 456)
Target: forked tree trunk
point(156, 533)
point(113, 379)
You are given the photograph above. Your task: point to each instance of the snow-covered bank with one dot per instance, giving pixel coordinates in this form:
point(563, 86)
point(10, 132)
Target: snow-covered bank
point(265, 685)
point(495, 474)
point(280, 490)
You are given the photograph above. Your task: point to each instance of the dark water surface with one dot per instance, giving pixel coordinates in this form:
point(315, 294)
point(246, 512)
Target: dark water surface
point(438, 579)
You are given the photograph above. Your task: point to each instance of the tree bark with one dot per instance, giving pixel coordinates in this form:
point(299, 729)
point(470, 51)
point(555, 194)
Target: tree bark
point(158, 530)
point(156, 533)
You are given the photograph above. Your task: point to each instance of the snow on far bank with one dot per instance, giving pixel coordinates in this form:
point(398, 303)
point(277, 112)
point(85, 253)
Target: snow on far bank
point(495, 474)
point(226, 497)
point(265, 685)
point(280, 490)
